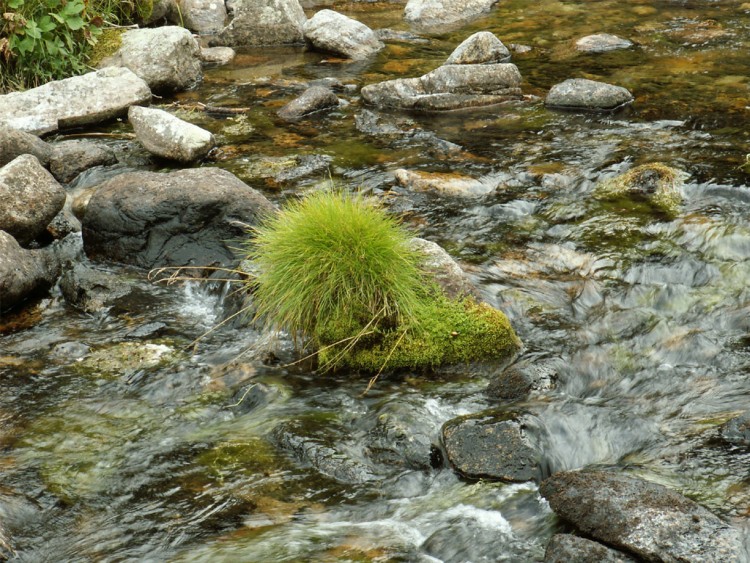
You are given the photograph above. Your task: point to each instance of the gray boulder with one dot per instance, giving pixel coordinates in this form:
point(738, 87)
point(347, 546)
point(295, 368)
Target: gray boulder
point(444, 14)
point(601, 43)
point(161, 10)
point(31, 198)
point(167, 58)
point(448, 87)
point(443, 269)
point(312, 100)
point(203, 16)
point(581, 93)
point(217, 55)
point(481, 48)
point(567, 548)
point(24, 273)
point(737, 430)
point(336, 33)
point(14, 143)
point(643, 518)
point(185, 218)
point(70, 158)
point(264, 22)
point(168, 136)
point(91, 290)
point(80, 100)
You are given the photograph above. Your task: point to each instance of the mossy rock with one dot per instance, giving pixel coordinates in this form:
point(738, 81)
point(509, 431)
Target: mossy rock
point(107, 44)
point(125, 358)
point(656, 184)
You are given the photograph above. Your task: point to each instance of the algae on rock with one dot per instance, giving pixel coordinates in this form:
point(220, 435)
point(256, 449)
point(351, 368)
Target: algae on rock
point(655, 183)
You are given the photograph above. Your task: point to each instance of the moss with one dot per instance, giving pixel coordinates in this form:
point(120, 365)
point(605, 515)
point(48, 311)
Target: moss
point(107, 44)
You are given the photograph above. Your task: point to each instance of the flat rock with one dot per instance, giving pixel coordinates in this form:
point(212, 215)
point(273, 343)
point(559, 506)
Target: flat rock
point(203, 16)
point(80, 100)
point(443, 269)
point(312, 100)
point(217, 55)
point(185, 218)
point(640, 517)
point(444, 14)
point(14, 143)
point(31, 198)
point(737, 430)
point(581, 93)
point(481, 48)
point(567, 548)
point(70, 158)
point(443, 183)
point(336, 33)
point(264, 22)
point(168, 136)
point(601, 43)
point(24, 273)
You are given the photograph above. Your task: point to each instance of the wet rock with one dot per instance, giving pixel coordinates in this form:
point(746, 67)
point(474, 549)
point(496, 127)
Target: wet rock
point(80, 100)
point(314, 99)
point(443, 14)
point(386, 34)
point(581, 93)
point(64, 223)
point(443, 183)
point(483, 447)
point(305, 165)
point(655, 183)
point(567, 548)
point(335, 33)
point(14, 143)
point(443, 269)
point(399, 438)
point(91, 290)
point(167, 58)
point(17, 514)
point(168, 136)
point(264, 22)
point(146, 331)
point(280, 170)
point(448, 87)
point(481, 48)
point(518, 380)
point(254, 396)
point(70, 158)
point(737, 430)
point(373, 123)
point(183, 218)
point(203, 16)
point(24, 273)
point(126, 359)
point(643, 518)
point(602, 42)
point(30, 198)
point(217, 55)
point(70, 351)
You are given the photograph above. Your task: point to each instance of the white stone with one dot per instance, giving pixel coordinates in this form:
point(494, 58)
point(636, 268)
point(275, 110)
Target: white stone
point(167, 136)
point(444, 13)
point(333, 32)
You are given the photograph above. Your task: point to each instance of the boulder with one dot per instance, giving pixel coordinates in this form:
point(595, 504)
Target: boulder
point(643, 518)
point(737, 430)
point(167, 58)
point(448, 87)
point(264, 22)
point(581, 93)
point(24, 273)
point(566, 548)
point(185, 218)
point(443, 269)
point(444, 14)
point(161, 10)
point(217, 55)
point(80, 100)
point(203, 16)
point(602, 42)
point(64, 223)
point(447, 183)
point(655, 184)
point(520, 379)
point(336, 33)
point(31, 198)
point(485, 447)
point(312, 100)
point(167, 136)
point(481, 48)
point(70, 158)
point(91, 290)
point(14, 143)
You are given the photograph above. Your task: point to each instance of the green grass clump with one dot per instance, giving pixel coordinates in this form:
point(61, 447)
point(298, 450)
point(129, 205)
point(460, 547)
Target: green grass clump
point(654, 184)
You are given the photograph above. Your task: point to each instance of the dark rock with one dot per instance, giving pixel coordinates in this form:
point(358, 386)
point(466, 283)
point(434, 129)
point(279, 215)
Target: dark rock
point(14, 143)
point(254, 396)
point(70, 158)
point(646, 519)
point(737, 430)
point(483, 447)
point(581, 93)
point(91, 290)
point(567, 548)
point(336, 33)
point(481, 48)
point(399, 438)
point(518, 380)
point(314, 99)
point(264, 22)
point(24, 273)
point(146, 331)
point(64, 224)
point(183, 218)
point(601, 43)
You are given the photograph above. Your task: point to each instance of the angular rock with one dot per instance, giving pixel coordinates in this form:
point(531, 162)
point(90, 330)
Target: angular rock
point(336, 33)
point(601, 43)
point(444, 183)
point(217, 55)
point(483, 447)
point(203, 16)
point(80, 100)
point(737, 430)
point(70, 158)
point(91, 290)
point(481, 48)
point(567, 548)
point(167, 58)
point(518, 380)
point(581, 93)
point(643, 518)
point(64, 223)
point(314, 99)
point(264, 22)
point(654, 183)
point(24, 273)
point(168, 136)
point(448, 87)
point(443, 269)
point(183, 218)
point(161, 10)
point(14, 143)
point(444, 14)
point(30, 198)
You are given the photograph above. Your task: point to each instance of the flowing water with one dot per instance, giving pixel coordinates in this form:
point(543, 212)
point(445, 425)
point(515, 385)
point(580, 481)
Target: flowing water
point(122, 441)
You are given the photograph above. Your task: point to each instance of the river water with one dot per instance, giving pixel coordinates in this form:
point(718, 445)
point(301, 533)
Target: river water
point(122, 440)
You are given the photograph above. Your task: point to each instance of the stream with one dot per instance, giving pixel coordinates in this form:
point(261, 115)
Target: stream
point(149, 432)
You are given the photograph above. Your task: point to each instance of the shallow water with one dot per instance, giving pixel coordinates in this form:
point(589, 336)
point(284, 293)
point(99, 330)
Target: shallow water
point(133, 447)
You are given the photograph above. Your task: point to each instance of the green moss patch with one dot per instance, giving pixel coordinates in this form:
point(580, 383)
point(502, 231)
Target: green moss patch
point(656, 185)
point(107, 44)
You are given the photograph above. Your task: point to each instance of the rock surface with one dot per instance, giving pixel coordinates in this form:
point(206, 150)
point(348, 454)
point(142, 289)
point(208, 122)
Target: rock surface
point(30, 198)
point(314, 99)
point(264, 22)
point(70, 158)
point(336, 33)
point(444, 270)
point(14, 143)
point(183, 218)
point(91, 290)
point(581, 93)
point(737, 430)
point(654, 183)
point(602, 42)
point(203, 16)
point(443, 183)
point(168, 136)
point(646, 519)
point(167, 58)
point(448, 87)
point(518, 380)
point(567, 548)
point(24, 273)
point(443, 14)
point(481, 48)
point(217, 55)
point(80, 100)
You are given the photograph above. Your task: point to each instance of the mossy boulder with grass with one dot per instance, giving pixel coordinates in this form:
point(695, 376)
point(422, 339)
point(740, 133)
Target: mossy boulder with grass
point(656, 184)
point(343, 278)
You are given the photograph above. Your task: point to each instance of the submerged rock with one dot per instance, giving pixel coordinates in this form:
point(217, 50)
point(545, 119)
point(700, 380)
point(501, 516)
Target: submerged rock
point(91, 290)
point(567, 548)
point(203, 16)
point(70, 158)
point(602, 42)
point(481, 48)
point(312, 100)
point(14, 143)
point(737, 430)
point(443, 183)
point(168, 136)
point(336, 33)
point(643, 518)
point(24, 273)
point(432, 14)
point(581, 93)
point(264, 22)
point(655, 183)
